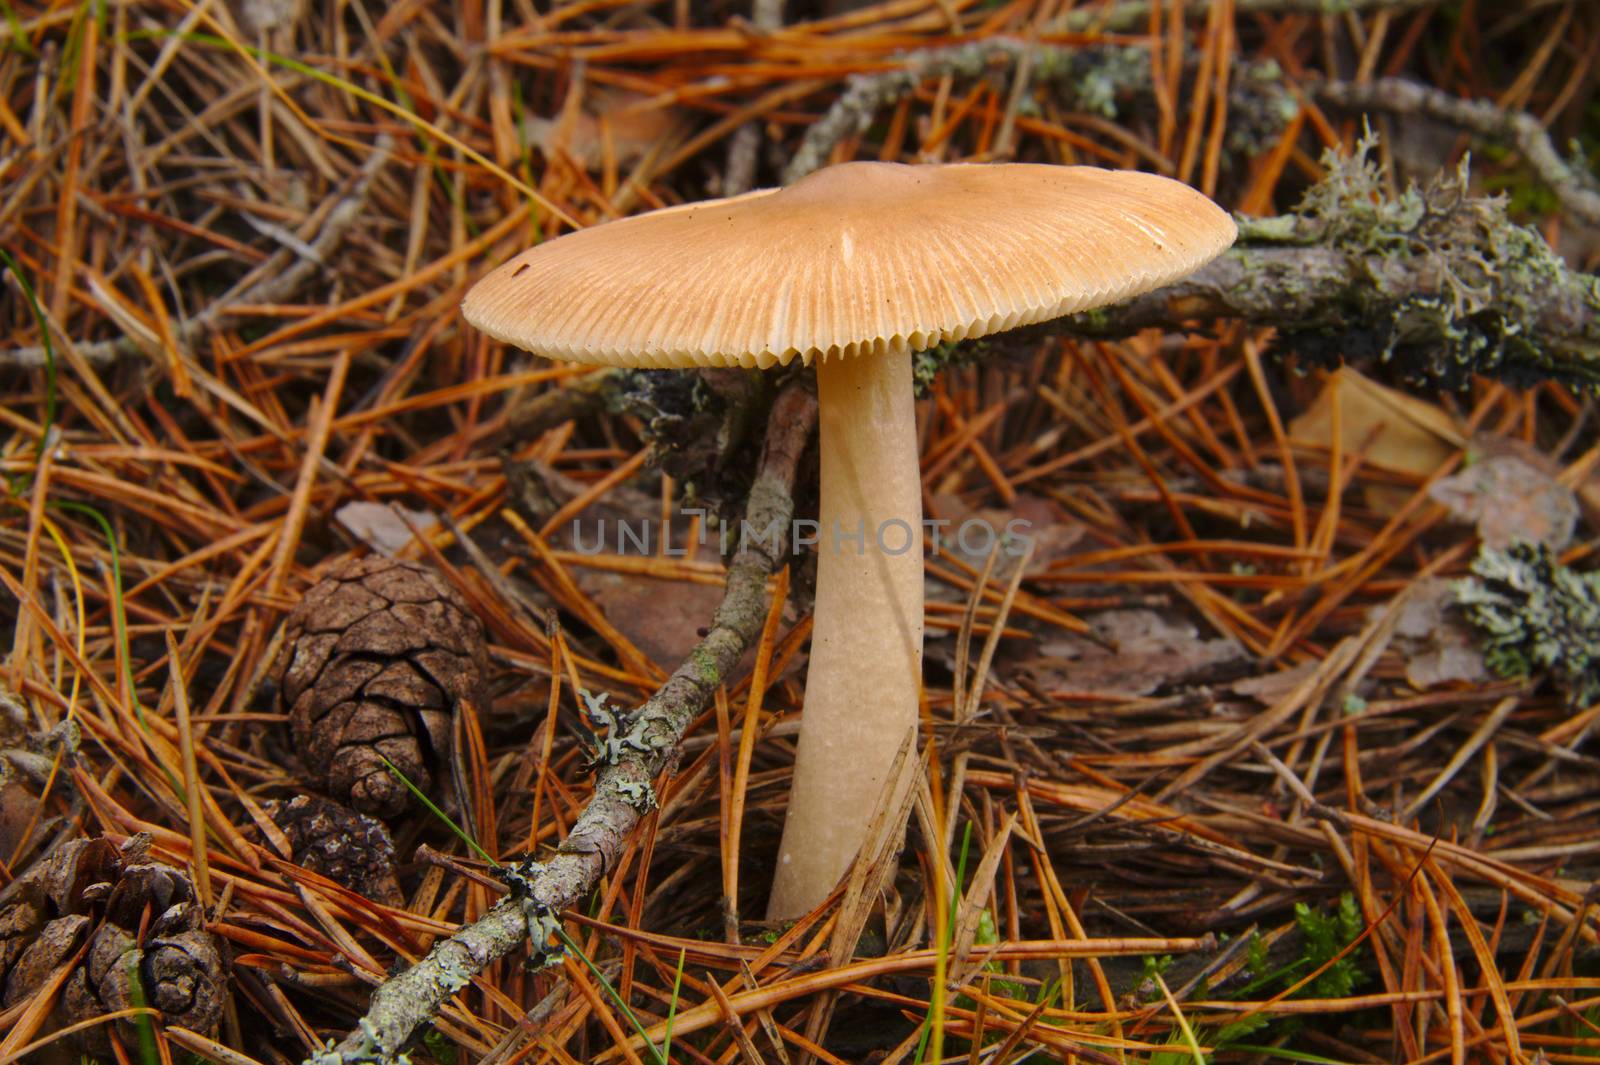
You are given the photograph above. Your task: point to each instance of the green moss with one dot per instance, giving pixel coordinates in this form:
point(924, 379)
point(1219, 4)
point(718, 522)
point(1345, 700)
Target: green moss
point(1526, 196)
point(440, 1046)
point(1327, 934)
point(1536, 616)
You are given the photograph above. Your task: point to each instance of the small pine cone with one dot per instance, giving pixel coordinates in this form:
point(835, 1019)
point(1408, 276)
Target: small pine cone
point(336, 842)
point(181, 975)
point(90, 890)
point(184, 978)
point(47, 915)
point(101, 983)
point(79, 874)
point(375, 660)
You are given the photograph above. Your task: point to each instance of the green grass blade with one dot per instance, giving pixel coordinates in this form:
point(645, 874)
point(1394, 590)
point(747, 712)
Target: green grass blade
point(367, 95)
point(633, 1019)
point(44, 340)
point(933, 1024)
point(119, 612)
point(672, 1009)
point(440, 814)
point(19, 42)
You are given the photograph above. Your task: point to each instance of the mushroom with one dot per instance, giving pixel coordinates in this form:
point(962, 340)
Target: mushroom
point(852, 269)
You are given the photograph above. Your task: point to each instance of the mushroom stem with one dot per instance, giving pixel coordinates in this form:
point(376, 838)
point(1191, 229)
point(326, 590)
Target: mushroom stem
point(866, 647)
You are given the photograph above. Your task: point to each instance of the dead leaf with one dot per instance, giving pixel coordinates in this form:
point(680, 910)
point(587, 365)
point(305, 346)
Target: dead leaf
point(382, 526)
point(1269, 688)
point(1510, 498)
point(1395, 431)
point(629, 120)
point(662, 619)
point(1438, 645)
point(1141, 651)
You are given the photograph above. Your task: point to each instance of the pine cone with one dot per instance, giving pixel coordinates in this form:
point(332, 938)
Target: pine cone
point(90, 888)
point(336, 842)
point(180, 974)
point(375, 660)
point(31, 764)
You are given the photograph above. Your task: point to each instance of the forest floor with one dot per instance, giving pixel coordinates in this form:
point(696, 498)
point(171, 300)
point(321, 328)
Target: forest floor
point(1217, 771)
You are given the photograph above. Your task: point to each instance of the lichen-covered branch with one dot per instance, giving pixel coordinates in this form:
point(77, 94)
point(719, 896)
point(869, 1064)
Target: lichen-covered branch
point(402, 1004)
point(1437, 282)
point(1577, 191)
point(1100, 79)
point(1134, 15)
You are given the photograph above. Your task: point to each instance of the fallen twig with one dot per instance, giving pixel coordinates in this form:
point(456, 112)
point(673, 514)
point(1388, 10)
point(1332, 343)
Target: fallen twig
point(1437, 281)
point(743, 147)
point(406, 1002)
point(1089, 79)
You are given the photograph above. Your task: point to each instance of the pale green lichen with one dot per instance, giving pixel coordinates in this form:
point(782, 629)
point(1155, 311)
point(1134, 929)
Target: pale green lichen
point(547, 940)
point(1483, 278)
point(706, 666)
point(367, 1051)
point(611, 734)
point(453, 976)
point(1536, 616)
point(640, 794)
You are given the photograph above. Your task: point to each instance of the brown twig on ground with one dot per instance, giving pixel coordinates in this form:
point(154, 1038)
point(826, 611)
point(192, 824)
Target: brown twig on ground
point(406, 1002)
point(740, 173)
point(1134, 15)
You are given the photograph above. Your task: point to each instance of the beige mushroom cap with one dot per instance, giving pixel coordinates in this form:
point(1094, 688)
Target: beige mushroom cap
point(855, 259)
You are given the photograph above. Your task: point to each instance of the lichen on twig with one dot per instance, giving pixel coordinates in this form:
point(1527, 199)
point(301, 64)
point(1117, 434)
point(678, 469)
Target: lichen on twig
point(1535, 615)
point(612, 734)
point(1437, 282)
